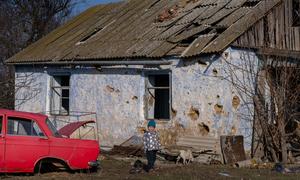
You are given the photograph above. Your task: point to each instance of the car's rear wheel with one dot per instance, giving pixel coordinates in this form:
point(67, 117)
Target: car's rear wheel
point(50, 165)
point(93, 169)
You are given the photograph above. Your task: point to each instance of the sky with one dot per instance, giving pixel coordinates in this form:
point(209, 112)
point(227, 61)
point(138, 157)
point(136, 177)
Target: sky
point(89, 3)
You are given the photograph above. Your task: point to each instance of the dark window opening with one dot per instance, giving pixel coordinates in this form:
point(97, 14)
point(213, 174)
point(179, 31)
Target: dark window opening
point(158, 96)
point(60, 95)
point(296, 13)
point(23, 127)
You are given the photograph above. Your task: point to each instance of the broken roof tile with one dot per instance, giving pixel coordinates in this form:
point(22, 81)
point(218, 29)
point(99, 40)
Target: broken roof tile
point(221, 14)
point(129, 29)
point(233, 17)
point(187, 5)
point(191, 16)
point(235, 3)
point(188, 33)
point(170, 31)
point(199, 43)
point(239, 27)
point(211, 11)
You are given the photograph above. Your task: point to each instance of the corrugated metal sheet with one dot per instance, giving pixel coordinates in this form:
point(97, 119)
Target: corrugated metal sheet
point(188, 33)
point(239, 27)
point(217, 16)
point(179, 17)
point(235, 3)
point(171, 31)
point(210, 2)
point(192, 6)
point(148, 29)
point(192, 15)
point(233, 17)
point(213, 9)
point(199, 43)
point(200, 143)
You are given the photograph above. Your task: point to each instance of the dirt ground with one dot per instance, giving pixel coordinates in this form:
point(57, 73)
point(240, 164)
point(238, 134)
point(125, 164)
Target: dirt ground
point(118, 168)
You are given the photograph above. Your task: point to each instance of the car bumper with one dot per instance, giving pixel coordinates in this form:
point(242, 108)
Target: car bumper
point(94, 163)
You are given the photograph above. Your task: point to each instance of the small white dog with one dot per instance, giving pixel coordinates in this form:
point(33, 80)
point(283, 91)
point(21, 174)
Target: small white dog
point(186, 156)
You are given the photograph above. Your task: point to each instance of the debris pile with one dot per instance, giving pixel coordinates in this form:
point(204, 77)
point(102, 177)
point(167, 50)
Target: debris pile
point(200, 149)
point(131, 147)
point(204, 150)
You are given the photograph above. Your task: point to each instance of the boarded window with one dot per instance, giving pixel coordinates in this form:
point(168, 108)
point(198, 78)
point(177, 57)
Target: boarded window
point(296, 12)
point(158, 96)
point(60, 95)
point(23, 127)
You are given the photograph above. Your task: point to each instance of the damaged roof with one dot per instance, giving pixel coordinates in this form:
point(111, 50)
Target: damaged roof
point(148, 29)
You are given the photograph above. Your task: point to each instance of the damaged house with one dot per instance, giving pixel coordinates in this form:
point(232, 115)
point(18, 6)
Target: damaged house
point(193, 65)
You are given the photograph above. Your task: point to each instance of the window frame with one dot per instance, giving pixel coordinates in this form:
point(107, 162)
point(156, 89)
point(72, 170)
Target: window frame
point(59, 112)
point(148, 86)
point(26, 119)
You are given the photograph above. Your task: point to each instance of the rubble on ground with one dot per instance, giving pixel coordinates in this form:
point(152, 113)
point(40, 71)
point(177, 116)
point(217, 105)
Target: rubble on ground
point(131, 147)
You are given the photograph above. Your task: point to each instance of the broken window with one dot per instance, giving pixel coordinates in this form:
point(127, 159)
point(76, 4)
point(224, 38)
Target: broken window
point(158, 96)
point(23, 127)
point(296, 12)
point(60, 92)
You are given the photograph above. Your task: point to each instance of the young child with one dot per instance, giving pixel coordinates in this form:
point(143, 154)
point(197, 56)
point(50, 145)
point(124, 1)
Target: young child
point(151, 144)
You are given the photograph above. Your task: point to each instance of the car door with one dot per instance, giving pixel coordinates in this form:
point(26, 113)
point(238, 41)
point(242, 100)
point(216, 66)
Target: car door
point(25, 144)
point(2, 143)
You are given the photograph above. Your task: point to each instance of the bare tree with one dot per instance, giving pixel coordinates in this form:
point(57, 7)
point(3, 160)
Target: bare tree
point(278, 111)
point(22, 23)
point(269, 88)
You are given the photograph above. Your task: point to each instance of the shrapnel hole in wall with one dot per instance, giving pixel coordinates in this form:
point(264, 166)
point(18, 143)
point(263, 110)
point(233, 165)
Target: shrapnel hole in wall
point(203, 129)
point(193, 113)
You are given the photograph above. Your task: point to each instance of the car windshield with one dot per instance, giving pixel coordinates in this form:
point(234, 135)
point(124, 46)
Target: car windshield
point(52, 128)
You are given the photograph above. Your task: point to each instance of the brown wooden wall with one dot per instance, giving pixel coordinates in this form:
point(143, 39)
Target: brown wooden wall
point(275, 30)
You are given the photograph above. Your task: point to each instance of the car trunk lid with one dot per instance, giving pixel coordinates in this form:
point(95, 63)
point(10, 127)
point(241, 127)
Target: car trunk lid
point(72, 127)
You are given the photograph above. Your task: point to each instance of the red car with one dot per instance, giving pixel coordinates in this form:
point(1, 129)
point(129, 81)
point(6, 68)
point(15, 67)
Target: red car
point(29, 141)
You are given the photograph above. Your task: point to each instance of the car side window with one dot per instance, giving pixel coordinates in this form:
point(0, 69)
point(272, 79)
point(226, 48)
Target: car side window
point(1, 121)
point(23, 127)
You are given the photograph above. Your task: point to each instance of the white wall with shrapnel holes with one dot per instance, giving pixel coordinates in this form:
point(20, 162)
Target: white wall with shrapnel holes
point(211, 96)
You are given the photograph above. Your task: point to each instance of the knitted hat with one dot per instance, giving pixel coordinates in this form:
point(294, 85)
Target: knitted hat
point(152, 123)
